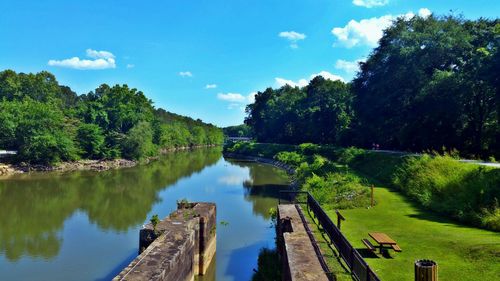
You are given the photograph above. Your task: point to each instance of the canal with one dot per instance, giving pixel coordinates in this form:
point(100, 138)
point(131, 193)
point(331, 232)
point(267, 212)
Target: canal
point(85, 225)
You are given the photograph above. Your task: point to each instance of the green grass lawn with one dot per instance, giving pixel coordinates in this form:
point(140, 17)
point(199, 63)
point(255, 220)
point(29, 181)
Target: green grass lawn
point(462, 253)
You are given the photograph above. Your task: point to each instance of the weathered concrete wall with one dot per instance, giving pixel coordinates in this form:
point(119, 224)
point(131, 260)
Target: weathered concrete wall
point(300, 261)
point(182, 246)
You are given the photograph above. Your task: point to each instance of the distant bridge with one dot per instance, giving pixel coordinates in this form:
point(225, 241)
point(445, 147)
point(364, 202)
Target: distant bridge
point(4, 153)
point(238, 139)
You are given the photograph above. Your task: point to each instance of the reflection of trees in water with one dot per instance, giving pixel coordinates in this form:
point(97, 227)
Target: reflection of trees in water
point(33, 208)
point(262, 189)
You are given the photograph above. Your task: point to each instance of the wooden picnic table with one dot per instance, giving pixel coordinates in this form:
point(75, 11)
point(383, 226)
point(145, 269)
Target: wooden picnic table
point(384, 240)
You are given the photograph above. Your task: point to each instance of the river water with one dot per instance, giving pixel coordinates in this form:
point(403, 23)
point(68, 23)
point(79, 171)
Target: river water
point(85, 225)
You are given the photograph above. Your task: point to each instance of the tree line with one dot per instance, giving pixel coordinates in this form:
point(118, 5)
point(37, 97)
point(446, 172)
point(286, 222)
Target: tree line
point(431, 84)
point(47, 122)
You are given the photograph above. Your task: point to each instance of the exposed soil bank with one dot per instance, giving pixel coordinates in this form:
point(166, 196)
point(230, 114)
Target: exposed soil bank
point(82, 165)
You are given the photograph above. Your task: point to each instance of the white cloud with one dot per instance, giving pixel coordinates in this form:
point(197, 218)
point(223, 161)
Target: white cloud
point(370, 3)
point(211, 86)
point(99, 54)
point(369, 31)
point(130, 65)
point(327, 75)
point(101, 60)
point(348, 66)
point(293, 37)
point(364, 32)
point(231, 97)
point(237, 101)
point(303, 82)
point(424, 13)
point(186, 74)
point(282, 82)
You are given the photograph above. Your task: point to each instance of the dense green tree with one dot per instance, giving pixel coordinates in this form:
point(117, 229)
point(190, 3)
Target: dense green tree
point(47, 122)
point(428, 85)
point(238, 131)
point(320, 112)
point(91, 140)
point(40, 131)
point(139, 142)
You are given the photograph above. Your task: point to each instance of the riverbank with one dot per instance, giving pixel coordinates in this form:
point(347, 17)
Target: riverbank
point(7, 169)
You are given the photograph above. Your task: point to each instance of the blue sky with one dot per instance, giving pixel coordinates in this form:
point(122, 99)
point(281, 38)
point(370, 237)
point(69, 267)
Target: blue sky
point(202, 58)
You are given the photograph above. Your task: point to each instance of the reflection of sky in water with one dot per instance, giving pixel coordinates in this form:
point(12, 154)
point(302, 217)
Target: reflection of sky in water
point(84, 226)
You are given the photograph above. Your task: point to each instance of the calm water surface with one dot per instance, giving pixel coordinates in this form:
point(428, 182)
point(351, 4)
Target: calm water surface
point(85, 225)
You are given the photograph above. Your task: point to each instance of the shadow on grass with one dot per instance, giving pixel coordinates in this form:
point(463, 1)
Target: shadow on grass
point(422, 212)
point(367, 254)
point(428, 215)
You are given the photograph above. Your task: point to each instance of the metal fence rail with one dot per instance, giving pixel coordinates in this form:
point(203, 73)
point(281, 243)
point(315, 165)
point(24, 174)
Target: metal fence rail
point(355, 262)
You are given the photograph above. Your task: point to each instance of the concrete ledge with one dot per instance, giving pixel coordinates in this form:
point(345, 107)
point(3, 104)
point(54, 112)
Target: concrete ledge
point(299, 257)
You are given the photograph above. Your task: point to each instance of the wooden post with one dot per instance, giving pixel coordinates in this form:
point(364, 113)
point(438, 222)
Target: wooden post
point(372, 197)
point(339, 218)
point(426, 270)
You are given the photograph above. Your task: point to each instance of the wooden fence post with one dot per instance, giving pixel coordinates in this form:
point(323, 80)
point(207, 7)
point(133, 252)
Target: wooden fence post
point(339, 218)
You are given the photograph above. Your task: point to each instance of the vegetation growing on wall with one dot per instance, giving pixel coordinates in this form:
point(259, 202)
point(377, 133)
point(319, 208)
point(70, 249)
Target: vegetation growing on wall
point(47, 122)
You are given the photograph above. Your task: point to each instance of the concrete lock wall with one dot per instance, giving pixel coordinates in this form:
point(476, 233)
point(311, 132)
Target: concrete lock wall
point(299, 259)
point(182, 246)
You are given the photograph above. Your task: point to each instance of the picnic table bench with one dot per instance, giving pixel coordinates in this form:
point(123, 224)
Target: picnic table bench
point(383, 240)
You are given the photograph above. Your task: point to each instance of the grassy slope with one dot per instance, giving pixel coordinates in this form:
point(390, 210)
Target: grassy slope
point(462, 253)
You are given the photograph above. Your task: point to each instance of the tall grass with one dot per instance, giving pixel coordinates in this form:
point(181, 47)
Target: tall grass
point(466, 192)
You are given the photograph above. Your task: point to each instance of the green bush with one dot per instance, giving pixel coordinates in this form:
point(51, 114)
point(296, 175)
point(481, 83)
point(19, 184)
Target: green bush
point(309, 148)
point(317, 165)
point(258, 149)
point(347, 155)
point(290, 158)
point(338, 190)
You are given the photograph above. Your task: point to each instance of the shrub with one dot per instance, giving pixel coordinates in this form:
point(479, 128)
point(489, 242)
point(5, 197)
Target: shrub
point(338, 190)
point(347, 155)
point(309, 148)
point(291, 158)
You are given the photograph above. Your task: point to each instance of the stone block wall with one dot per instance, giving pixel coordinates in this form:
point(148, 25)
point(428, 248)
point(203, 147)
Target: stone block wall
point(182, 245)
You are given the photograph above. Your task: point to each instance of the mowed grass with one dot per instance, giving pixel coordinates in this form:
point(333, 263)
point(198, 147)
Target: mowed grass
point(462, 253)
